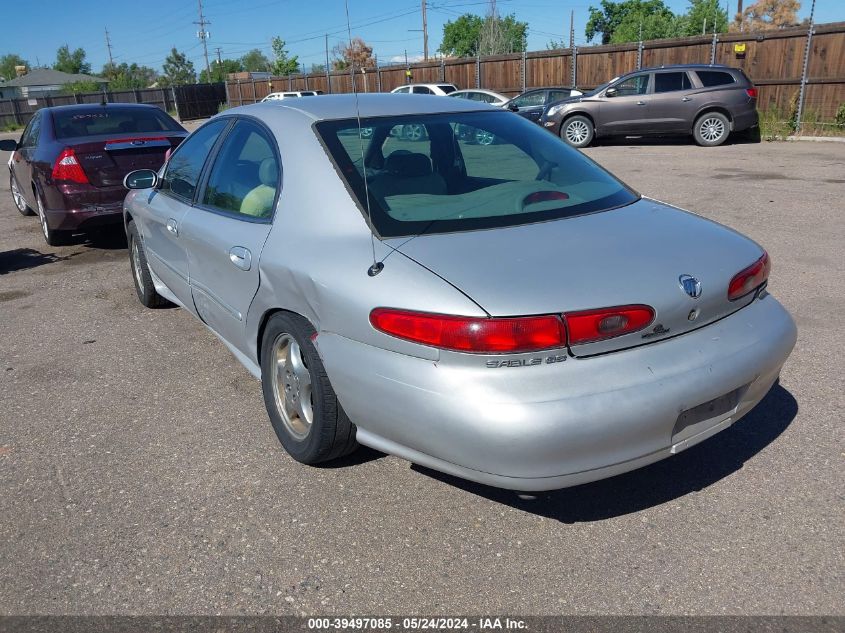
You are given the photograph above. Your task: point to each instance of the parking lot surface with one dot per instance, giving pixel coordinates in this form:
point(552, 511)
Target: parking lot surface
point(139, 472)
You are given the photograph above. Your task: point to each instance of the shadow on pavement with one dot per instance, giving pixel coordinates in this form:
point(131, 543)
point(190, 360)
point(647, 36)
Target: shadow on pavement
point(689, 471)
point(24, 259)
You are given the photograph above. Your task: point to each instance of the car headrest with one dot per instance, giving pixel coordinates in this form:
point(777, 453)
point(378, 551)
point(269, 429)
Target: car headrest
point(268, 172)
point(408, 165)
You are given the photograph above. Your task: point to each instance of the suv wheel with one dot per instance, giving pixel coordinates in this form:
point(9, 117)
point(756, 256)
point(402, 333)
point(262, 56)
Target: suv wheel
point(711, 129)
point(578, 131)
point(300, 401)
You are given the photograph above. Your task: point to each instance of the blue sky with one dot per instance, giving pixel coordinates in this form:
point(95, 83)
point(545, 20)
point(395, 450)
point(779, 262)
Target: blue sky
point(143, 32)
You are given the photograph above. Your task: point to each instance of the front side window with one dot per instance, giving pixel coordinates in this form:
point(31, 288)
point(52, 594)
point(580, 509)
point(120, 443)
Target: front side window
point(245, 177)
point(530, 99)
point(669, 82)
point(636, 85)
point(466, 171)
point(557, 95)
point(710, 78)
point(183, 169)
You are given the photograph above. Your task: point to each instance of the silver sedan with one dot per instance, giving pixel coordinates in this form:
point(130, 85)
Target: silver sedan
point(509, 313)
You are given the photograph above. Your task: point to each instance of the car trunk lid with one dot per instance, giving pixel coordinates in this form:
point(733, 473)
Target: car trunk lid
point(106, 161)
point(638, 254)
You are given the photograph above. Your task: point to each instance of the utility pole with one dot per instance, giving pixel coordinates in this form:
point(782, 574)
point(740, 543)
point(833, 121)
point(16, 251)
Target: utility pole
point(108, 46)
point(219, 50)
point(572, 29)
point(328, 70)
point(203, 35)
point(425, 33)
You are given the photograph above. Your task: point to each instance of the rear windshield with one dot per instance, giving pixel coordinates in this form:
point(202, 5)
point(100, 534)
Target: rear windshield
point(465, 171)
point(100, 120)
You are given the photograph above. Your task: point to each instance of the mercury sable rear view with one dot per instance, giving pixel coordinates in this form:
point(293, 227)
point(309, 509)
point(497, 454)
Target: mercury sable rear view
point(510, 313)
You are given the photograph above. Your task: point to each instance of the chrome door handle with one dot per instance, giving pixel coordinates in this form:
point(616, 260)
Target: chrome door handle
point(173, 226)
point(240, 257)
point(640, 102)
point(685, 99)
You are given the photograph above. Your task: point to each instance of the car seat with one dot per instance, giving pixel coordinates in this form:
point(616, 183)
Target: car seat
point(259, 201)
point(407, 173)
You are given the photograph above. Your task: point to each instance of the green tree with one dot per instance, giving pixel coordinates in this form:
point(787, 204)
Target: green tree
point(701, 12)
point(470, 35)
point(8, 63)
point(128, 76)
point(256, 61)
point(284, 65)
point(81, 86)
point(220, 70)
point(656, 17)
point(177, 70)
point(648, 26)
point(71, 62)
point(318, 68)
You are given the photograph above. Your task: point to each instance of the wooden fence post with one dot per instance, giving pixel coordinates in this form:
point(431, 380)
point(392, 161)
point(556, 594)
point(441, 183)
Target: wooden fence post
point(16, 112)
point(137, 96)
point(240, 93)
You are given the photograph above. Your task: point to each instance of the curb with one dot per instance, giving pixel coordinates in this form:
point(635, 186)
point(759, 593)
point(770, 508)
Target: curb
point(818, 139)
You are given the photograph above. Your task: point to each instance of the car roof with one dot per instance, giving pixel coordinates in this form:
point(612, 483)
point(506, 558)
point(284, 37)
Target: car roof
point(685, 67)
point(343, 106)
point(482, 90)
point(108, 106)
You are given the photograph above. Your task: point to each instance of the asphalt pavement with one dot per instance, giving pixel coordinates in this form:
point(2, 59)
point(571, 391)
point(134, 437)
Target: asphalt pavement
point(139, 472)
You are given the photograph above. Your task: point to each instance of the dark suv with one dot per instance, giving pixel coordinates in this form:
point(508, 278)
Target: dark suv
point(707, 101)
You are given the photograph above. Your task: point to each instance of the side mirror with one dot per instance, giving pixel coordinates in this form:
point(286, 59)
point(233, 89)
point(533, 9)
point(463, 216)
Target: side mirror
point(513, 107)
point(141, 179)
point(8, 145)
point(610, 92)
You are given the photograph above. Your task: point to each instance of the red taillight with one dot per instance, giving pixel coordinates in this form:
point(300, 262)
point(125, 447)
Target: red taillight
point(469, 334)
point(751, 92)
point(589, 326)
point(68, 168)
point(750, 278)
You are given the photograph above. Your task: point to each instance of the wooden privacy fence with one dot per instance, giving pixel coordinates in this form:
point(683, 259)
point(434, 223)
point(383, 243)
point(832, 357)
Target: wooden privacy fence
point(194, 101)
point(773, 60)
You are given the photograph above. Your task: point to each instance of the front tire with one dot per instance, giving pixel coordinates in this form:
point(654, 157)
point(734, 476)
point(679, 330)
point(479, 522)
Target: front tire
point(711, 129)
point(51, 236)
point(578, 131)
point(300, 401)
point(17, 196)
point(144, 287)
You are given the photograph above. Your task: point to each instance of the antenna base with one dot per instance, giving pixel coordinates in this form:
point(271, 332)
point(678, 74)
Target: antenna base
point(375, 269)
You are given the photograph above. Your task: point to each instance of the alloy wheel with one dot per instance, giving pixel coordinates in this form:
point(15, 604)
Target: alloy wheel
point(43, 218)
point(20, 203)
point(577, 132)
point(483, 137)
point(413, 132)
point(136, 264)
point(292, 386)
point(711, 129)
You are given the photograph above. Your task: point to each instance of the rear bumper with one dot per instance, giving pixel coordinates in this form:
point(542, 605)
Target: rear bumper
point(79, 207)
point(745, 120)
point(562, 424)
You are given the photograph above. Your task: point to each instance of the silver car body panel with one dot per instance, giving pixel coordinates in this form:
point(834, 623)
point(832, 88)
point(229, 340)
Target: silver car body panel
point(527, 425)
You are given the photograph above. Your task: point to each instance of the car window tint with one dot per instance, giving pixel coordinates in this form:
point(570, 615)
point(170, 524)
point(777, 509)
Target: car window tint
point(403, 89)
point(32, 131)
point(668, 82)
point(636, 85)
point(485, 98)
point(245, 175)
point(98, 120)
point(530, 99)
point(711, 78)
point(183, 169)
point(557, 95)
point(423, 90)
point(447, 88)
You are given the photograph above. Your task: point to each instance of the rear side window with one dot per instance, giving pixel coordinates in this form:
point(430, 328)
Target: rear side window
point(245, 176)
point(99, 120)
point(422, 90)
point(447, 88)
point(530, 99)
point(32, 132)
point(710, 78)
point(668, 82)
point(183, 169)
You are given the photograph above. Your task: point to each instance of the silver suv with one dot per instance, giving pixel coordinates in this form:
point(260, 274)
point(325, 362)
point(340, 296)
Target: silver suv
point(707, 101)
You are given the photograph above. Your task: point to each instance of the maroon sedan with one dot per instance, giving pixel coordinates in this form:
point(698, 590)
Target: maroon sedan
point(70, 162)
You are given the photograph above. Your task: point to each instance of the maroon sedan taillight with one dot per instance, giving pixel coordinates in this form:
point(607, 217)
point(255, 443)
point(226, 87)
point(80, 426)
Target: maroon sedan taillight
point(67, 168)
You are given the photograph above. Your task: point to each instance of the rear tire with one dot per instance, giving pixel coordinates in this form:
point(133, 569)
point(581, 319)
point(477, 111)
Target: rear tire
point(144, 287)
point(711, 129)
point(51, 236)
point(577, 131)
point(20, 204)
point(300, 401)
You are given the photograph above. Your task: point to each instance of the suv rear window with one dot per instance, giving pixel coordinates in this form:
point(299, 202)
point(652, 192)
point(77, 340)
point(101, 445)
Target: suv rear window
point(101, 120)
point(710, 78)
point(465, 171)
